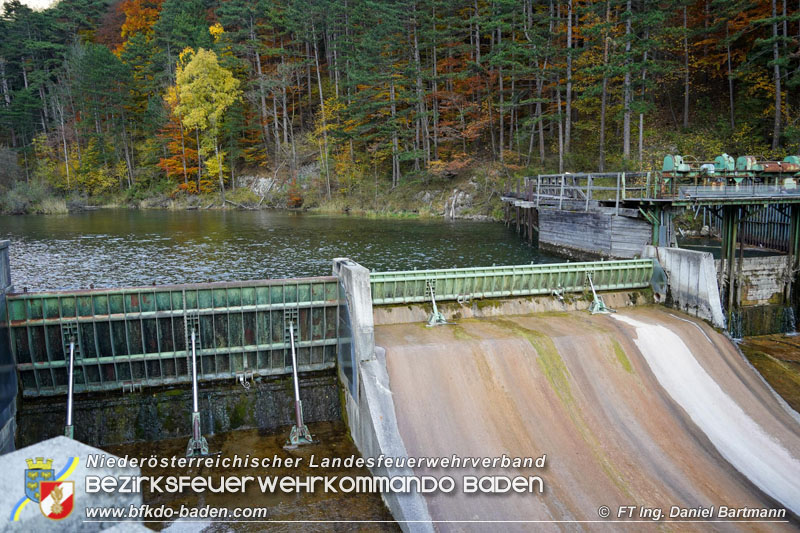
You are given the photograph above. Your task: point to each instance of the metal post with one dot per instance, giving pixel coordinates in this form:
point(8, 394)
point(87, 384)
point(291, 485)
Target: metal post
point(588, 191)
point(794, 251)
point(616, 205)
point(69, 431)
point(299, 434)
point(624, 186)
point(538, 188)
point(730, 255)
point(598, 306)
point(561, 194)
point(656, 222)
point(198, 446)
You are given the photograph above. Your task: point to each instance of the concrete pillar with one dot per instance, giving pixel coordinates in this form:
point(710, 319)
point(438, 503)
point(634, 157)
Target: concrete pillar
point(8, 374)
point(355, 281)
point(370, 411)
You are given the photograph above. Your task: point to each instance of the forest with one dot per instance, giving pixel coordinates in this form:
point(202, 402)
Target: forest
point(351, 97)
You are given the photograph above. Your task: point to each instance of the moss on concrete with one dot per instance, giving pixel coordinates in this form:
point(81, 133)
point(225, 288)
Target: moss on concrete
point(557, 374)
point(621, 357)
point(783, 376)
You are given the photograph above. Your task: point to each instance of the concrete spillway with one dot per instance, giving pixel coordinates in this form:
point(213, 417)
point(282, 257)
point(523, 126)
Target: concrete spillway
point(643, 408)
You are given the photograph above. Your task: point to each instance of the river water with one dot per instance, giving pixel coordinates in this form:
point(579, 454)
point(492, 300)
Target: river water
point(125, 247)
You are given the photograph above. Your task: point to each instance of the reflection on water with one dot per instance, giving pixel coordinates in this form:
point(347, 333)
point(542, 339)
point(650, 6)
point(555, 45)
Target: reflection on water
point(333, 511)
point(124, 247)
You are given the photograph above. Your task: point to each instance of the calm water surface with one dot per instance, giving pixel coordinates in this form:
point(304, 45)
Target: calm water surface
point(124, 247)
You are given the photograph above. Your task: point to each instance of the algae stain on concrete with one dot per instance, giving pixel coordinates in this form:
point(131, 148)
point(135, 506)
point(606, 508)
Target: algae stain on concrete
point(621, 357)
point(557, 374)
point(461, 333)
point(549, 360)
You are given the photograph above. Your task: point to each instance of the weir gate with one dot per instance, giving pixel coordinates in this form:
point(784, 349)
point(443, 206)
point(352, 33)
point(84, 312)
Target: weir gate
point(130, 338)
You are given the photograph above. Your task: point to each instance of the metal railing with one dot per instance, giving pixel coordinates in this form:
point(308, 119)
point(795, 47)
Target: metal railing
point(583, 191)
point(462, 284)
point(139, 336)
point(722, 192)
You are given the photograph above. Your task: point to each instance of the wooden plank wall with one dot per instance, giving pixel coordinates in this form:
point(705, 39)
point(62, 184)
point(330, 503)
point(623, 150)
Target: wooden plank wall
point(629, 236)
point(586, 231)
point(602, 233)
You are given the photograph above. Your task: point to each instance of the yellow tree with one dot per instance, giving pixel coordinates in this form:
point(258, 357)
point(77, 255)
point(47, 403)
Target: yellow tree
point(205, 91)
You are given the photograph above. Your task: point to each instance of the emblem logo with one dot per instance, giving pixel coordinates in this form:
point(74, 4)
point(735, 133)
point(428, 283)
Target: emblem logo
point(49, 489)
point(37, 471)
point(57, 499)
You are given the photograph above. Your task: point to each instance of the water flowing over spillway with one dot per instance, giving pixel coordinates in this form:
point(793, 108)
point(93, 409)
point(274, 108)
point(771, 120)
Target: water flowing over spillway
point(739, 438)
point(643, 408)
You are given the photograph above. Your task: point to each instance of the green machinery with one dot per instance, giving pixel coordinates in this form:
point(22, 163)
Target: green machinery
point(724, 169)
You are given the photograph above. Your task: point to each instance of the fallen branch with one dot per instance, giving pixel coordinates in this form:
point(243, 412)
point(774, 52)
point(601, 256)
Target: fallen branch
point(237, 205)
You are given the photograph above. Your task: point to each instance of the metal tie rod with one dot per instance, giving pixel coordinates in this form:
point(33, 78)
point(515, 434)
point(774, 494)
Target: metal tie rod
point(299, 434)
point(69, 430)
point(198, 446)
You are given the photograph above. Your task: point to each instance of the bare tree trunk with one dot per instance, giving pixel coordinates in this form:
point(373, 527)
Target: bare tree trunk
point(322, 115)
point(730, 75)
point(776, 131)
point(540, 83)
point(626, 119)
point(422, 119)
point(604, 95)
point(261, 91)
point(60, 109)
point(395, 146)
point(219, 164)
point(477, 35)
point(275, 127)
point(560, 132)
point(4, 83)
point(199, 159)
point(435, 93)
point(568, 118)
point(685, 69)
point(500, 108)
point(183, 153)
point(641, 114)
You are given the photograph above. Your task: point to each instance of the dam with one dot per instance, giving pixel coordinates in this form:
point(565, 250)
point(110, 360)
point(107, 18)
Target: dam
point(651, 407)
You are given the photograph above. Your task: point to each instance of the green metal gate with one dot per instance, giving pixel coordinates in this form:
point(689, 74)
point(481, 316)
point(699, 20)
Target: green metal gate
point(139, 336)
point(415, 286)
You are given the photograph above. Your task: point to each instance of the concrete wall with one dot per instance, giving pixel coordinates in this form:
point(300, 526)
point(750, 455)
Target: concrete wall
point(370, 414)
point(595, 233)
point(105, 419)
point(692, 280)
point(419, 313)
point(8, 372)
point(763, 279)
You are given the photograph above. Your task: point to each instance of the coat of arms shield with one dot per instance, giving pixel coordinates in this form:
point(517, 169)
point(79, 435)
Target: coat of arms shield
point(57, 499)
point(39, 471)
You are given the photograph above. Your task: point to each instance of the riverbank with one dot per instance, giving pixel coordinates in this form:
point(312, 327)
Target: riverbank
point(473, 195)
